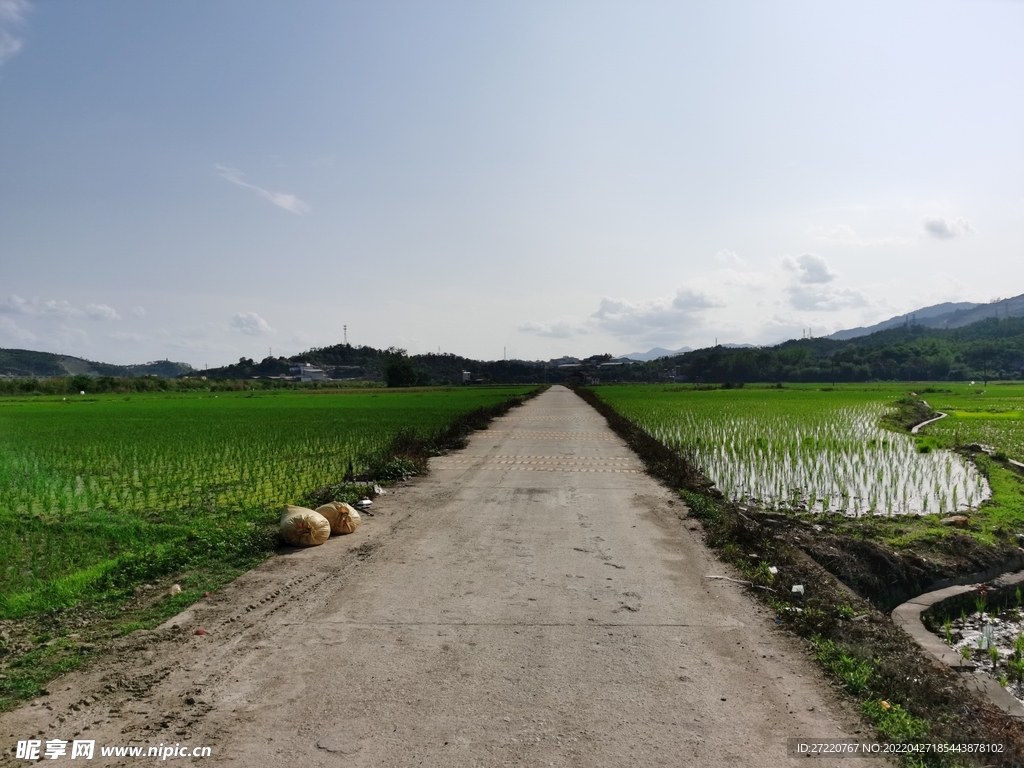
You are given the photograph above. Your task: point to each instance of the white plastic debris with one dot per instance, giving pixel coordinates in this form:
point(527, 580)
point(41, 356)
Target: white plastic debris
point(379, 491)
point(364, 503)
point(175, 590)
point(798, 589)
point(988, 637)
point(772, 570)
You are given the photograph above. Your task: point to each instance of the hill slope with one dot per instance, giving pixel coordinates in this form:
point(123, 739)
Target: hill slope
point(992, 348)
point(26, 363)
point(1012, 307)
point(917, 317)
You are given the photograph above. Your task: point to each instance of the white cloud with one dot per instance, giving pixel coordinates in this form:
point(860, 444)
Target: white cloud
point(63, 309)
point(825, 297)
point(693, 300)
point(750, 280)
point(251, 324)
point(15, 304)
point(942, 228)
point(728, 258)
point(101, 312)
point(814, 288)
point(736, 271)
point(12, 16)
point(139, 311)
point(844, 234)
point(643, 318)
point(662, 320)
point(810, 268)
point(11, 330)
point(559, 329)
point(59, 308)
point(289, 202)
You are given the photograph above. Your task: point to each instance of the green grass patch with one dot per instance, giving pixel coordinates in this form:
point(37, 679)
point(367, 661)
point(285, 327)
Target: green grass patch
point(99, 494)
point(894, 723)
point(853, 672)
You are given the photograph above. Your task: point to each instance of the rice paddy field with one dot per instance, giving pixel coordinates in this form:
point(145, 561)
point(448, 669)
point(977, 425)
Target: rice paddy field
point(103, 492)
point(991, 416)
point(807, 449)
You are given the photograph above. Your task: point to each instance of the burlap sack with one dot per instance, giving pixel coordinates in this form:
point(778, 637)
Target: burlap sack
point(303, 527)
point(343, 518)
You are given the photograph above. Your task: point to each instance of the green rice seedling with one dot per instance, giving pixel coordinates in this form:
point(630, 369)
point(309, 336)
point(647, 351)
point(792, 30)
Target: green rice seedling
point(803, 450)
point(101, 493)
point(998, 424)
point(1015, 669)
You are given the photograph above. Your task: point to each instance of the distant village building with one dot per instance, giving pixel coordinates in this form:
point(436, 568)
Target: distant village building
point(617, 361)
point(307, 372)
point(564, 362)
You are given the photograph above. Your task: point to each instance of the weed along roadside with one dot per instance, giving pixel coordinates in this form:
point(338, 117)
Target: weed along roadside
point(109, 503)
point(832, 579)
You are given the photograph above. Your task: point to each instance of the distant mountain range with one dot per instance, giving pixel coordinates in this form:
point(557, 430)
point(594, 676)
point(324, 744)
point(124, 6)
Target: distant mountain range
point(25, 363)
point(659, 352)
point(654, 354)
point(947, 315)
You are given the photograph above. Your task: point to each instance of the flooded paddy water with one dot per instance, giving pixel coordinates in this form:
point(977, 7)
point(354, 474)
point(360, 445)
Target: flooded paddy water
point(805, 450)
point(992, 640)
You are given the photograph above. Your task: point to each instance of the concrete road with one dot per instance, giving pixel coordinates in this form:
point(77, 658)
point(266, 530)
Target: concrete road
point(535, 600)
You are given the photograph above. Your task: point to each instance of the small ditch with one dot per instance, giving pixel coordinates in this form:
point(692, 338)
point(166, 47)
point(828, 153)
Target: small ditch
point(990, 638)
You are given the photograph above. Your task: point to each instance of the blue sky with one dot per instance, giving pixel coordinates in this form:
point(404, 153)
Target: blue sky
point(205, 180)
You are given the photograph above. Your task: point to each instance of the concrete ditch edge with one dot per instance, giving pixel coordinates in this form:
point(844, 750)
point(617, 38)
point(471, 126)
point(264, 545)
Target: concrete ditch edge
point(917, 427)
point(908, 617)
